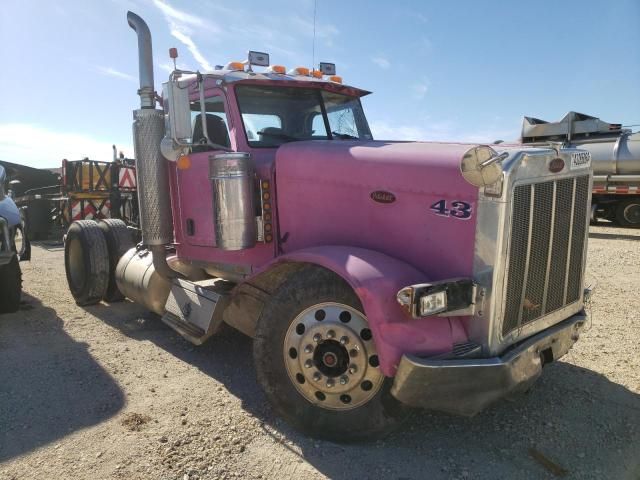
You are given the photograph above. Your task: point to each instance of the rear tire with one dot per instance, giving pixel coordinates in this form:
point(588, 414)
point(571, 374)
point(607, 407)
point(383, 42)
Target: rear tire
point(118, 238)
point(368, 410)
point(86, 261)
point(10, 286)
point(628, 213)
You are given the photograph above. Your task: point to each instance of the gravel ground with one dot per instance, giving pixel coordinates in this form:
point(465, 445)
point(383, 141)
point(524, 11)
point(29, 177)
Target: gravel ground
point(110, 392)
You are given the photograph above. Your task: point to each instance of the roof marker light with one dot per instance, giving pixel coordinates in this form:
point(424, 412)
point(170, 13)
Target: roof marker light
point(299, 71)
point(316, 74)
point(281, 69)
point(234, 66)
point(335, 79)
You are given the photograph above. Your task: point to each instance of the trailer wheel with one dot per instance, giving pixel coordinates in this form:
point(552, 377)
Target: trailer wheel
point(628, 213)
point(86, 261)
point(317, 362)
point(10, 286)
point(119, 241)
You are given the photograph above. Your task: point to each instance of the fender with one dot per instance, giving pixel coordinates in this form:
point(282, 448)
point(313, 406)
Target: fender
point(376, 279)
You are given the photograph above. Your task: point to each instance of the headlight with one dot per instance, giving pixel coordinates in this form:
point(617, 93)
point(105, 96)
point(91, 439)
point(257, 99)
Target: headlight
point(454, 297)
point(433, 303)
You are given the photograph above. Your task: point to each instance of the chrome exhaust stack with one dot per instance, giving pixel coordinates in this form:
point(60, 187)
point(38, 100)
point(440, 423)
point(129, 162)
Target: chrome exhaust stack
point(151, 169)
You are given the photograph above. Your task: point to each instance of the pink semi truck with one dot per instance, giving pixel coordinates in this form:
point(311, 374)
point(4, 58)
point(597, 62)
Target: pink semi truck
point(373, 276)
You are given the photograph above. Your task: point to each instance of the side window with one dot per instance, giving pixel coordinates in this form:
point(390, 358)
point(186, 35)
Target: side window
point(255, 123)
point(216, 124)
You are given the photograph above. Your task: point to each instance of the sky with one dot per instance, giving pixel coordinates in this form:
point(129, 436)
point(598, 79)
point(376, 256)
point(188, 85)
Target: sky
point(438, 70)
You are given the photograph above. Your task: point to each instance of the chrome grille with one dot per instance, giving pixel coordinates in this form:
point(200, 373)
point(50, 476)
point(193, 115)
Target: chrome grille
point(548, 231)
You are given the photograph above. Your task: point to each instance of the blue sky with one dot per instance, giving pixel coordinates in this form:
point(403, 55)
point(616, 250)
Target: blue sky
point(454, 70)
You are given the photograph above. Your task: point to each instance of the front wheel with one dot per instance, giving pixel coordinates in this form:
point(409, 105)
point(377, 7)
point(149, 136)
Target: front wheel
point(317, 362)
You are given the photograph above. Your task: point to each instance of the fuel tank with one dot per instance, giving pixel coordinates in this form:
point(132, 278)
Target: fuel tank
point(616, 155)
point(405, 199)
point(138, 281)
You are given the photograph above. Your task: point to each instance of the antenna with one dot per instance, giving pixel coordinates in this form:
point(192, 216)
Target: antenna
point(313, 48)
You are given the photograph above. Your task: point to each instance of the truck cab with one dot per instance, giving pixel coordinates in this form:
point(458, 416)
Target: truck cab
point(372, 275)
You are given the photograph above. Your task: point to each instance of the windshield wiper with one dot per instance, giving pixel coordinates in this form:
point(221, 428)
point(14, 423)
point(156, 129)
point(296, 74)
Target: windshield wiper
point(344, 136)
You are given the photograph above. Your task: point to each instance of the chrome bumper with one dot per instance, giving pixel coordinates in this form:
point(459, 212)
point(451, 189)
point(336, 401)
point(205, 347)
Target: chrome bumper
point(467, 386)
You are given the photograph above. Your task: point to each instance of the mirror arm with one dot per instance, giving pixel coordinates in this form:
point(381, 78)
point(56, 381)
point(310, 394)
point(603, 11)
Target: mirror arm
point(495, 159)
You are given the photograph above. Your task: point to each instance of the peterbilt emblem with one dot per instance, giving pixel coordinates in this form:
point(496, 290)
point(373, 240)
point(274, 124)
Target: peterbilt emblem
point(556, 165)
point(381, 196)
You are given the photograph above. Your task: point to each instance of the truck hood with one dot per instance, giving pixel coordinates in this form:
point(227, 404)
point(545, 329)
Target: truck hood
point(325, 196)
point(392, 166)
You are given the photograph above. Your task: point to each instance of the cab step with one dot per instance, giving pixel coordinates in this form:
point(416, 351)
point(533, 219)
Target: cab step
point(194, 309)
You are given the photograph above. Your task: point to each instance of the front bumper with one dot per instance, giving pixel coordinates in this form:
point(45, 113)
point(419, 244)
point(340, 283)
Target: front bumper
point(467, 386)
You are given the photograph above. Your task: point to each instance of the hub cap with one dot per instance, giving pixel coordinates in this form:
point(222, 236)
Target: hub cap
point(331, 358)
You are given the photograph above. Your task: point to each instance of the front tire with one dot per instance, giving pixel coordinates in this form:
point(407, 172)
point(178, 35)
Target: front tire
point(10, 286)
point(316, 361)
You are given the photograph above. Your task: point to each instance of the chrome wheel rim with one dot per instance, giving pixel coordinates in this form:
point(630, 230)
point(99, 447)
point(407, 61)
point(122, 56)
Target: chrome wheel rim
point(331, 358)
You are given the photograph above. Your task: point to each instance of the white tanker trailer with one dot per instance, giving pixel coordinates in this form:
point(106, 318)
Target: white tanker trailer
point(615, 154)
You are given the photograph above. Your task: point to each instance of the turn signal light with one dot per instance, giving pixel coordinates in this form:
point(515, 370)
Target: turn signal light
point(184, 162)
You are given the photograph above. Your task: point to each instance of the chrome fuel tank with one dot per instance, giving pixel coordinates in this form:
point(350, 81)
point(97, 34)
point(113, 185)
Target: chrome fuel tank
point(137, 280)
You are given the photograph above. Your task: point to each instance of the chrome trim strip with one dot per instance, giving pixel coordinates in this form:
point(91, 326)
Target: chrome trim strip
point(551, 233)
point(569, 244)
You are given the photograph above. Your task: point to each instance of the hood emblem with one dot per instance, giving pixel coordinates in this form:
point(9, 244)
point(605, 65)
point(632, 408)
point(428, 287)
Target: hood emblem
point(556, 165)
point(382, 196)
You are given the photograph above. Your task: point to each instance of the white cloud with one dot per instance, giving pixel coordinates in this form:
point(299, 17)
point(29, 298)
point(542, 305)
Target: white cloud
point(112, 72)
point(39, 147)
point(381, 61)
point(180, 24)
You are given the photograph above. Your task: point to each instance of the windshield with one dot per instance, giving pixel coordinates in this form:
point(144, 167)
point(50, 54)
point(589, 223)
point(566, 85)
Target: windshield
point(276, 115)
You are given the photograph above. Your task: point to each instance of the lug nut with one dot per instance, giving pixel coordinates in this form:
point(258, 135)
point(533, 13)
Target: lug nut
point(308, 363)
point(343, 380)
point(317, 377)
point(308, 349)
point(317, 337)
point(330, 383)
point(344, 340)
point(353, 352)
point(331, 334)
point(353, 369)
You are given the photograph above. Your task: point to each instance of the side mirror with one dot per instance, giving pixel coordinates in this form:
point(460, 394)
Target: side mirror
point(480, 165)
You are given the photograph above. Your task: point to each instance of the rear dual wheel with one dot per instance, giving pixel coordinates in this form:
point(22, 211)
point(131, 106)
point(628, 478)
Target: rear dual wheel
point(91, 253)
point(317, 362)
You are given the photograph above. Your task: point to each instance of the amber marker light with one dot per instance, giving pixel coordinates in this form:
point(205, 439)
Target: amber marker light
point(316, 74)
point(234, 66)
point(335, 79)
point(281, 69)
point(184, 162)
point(300, 71)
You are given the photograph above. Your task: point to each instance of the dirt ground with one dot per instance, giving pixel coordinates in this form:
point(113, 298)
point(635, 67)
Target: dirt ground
point(111, 392)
